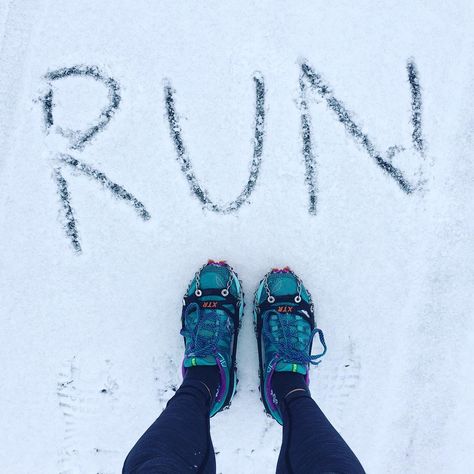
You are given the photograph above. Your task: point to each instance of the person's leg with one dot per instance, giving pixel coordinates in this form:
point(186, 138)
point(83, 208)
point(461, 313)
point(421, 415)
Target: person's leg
point(285, 327)
point(179, 440)
point(310, 443)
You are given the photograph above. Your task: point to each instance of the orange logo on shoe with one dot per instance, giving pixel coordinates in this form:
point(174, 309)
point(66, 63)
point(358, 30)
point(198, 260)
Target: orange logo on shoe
point(209, 304)
point(285, 309)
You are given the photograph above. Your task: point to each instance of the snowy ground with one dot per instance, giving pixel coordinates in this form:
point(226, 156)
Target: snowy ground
point(89, 341)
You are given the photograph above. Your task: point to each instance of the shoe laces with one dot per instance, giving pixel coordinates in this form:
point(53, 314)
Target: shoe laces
point(287, 344)
point(206, 334)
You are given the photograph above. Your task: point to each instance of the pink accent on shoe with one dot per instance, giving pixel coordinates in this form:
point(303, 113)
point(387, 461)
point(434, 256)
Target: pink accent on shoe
point(217, 263)
point(282, 270)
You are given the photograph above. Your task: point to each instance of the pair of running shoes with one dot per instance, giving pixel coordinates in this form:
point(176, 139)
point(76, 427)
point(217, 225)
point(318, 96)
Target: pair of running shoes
point(284, 323)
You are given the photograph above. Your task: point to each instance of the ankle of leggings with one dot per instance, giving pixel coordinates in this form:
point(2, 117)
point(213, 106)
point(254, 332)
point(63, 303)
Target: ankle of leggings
point(286, 384)
point(196, 390)
point(208, 376)
point(285, 404)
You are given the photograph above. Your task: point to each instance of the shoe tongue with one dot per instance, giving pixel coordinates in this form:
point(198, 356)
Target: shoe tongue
point(204, 331)
point(193, 361)
point(283, 366)
point(275, 324)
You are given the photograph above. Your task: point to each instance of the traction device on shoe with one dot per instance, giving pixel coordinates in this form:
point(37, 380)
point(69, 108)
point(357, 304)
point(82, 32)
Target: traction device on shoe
point(218, 311)
point(287, 310)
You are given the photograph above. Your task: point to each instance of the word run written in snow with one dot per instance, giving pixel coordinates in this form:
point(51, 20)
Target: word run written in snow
point(309, 80)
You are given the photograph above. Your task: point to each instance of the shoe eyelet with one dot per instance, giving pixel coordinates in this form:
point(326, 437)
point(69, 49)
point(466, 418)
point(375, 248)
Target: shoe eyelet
point(198, 293)
point(271, 299)
point(225, 292)
point(297, 299)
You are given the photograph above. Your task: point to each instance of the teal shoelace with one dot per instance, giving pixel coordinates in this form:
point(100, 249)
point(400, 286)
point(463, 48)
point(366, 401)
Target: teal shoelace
point(204, 338)
point(287, 344)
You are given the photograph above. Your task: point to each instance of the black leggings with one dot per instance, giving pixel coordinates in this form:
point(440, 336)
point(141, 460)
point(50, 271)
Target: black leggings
point(179, 441)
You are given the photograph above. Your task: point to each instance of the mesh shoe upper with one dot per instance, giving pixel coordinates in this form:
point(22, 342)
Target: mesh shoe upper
point(286, 332)
point(212, 308)
point(285, 327)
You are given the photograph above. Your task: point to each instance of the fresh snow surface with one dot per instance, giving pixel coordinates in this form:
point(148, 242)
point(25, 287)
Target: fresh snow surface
point(89, 341)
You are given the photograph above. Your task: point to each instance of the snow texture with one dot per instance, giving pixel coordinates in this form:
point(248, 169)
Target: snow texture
point(334, 137)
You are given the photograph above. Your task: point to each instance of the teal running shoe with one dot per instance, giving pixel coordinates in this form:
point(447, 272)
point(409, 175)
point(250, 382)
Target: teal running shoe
point(285, 327)
point(212, 313)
